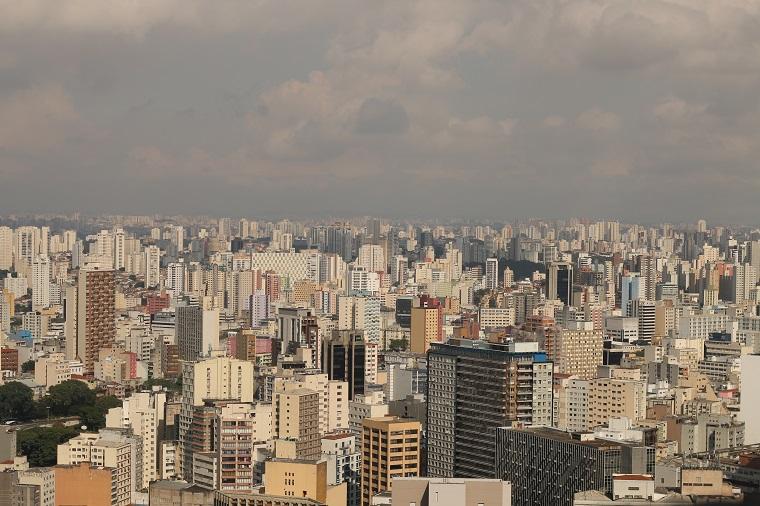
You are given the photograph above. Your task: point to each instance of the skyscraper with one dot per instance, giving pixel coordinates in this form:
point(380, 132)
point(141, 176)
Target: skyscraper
point(475, 387)
point(559, 282)
point(152, 266)
point(344, 358)
point(492, 273)
point(390, 449)
point(40, 282)
point(6, 248)
point(91, 308)
point(197, 331)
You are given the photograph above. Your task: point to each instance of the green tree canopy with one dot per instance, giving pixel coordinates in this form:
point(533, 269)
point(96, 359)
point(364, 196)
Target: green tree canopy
point(27, 366)
point(16, 402)
point(69, 397)
point(40, 444)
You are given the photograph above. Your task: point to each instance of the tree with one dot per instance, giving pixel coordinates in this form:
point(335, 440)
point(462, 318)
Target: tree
point(107, 402)
point(397, 345)
point(16, 401)
point(92, 418)
point(27, 366)
point(40, 444)
point(68, 397)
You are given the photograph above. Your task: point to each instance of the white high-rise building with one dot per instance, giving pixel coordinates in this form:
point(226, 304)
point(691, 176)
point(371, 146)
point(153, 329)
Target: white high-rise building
point(178, 237)
point(143, 413)
point(492, 273)
point(152, 266)
point(27, 244)
point(69, 239)
point(6, 248)
point(40, 282)
point(371, 257)
point(362, 282)
point(119, 249)
point(175, 277)
point(399, 270)
point(44, 245)
point(104, 245)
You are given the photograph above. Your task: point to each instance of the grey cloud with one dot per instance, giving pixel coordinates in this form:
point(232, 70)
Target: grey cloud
point(493, 108)
point(378, 116)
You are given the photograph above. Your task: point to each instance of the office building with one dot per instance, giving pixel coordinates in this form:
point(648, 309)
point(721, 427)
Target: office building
point(474, 388)
point(547, 467)
point(559, 282)
point(197, 331)
point(344, 358)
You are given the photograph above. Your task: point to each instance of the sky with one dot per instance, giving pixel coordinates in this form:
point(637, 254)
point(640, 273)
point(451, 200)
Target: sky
point(643, 110)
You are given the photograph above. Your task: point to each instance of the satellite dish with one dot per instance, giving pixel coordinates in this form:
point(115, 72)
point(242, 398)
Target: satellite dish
point(84, 427)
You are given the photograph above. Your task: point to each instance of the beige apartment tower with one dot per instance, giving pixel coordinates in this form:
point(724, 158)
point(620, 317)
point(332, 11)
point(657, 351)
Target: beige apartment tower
point(390, 449)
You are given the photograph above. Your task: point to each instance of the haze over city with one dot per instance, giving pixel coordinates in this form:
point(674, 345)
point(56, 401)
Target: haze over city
point(634, 110)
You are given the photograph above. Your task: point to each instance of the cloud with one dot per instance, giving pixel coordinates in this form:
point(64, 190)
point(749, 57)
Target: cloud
point(378, 116)
point(597, 120)
point(35, 119)
point(445, 107)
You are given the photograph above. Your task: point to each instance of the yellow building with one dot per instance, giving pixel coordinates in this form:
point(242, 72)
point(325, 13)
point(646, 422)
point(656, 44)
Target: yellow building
point(578, 351)
point(390, 449)
point(83, 484)
point(296, 417)
point(425, 329)
point(302, 479)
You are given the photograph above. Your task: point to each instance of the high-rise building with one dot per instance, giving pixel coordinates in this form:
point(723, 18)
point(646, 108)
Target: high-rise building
point(475, 387)
point(390, 449)
point(360, 313)
point(559, 282)
point(371, 257)
point(117, 454)
point(176, 272)
point(87, 483)
point(296, 417)
point(197, 331)
point(492, 273)
point(143, 413)
point(40, 282)
point(119, 249)
point(6, 248)
point(547, 466)
point(213, 378)
point(648, 271)
point(26, 247)
point(259, 309)
point(90, 316)
point(152, 266)
point(344, 358)
point(343, 456)
point(578, 350)
point(426, 326)
point(238, 428)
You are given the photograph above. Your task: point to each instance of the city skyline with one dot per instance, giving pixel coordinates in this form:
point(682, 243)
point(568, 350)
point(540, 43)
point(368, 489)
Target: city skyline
point(423, 108)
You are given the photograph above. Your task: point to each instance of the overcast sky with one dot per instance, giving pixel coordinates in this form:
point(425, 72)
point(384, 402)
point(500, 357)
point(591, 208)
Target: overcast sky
point(635, 109)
